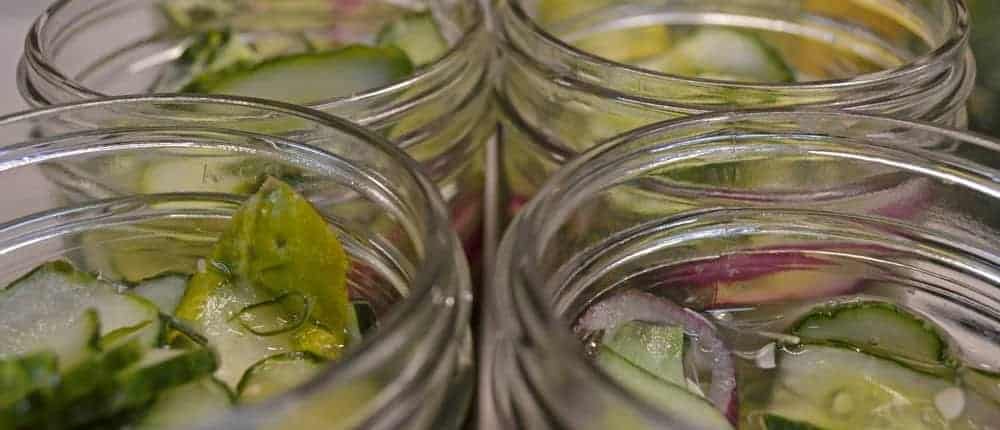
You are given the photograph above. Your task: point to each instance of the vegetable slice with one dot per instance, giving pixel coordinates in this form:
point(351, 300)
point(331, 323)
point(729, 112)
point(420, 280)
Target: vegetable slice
point(672, 398)
point(417, 35)
point(657, 349)
point(277, 244)
point(877, 328)
point(276, 375)
point(310, 77)
point(838, 388)
point(164, 291)
point(724, 54)
point(186, 405)
point(42, 310)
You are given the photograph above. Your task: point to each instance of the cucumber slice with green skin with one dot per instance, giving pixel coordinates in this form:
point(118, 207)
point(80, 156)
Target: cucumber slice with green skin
point(657, 349)
point(210, 51)
point(838, 388)
point(186, 406)
point(671, 398)
point(159, 370)
point(417, 35)
point(877, 328)
point(42, 310)
point(277, 374)
point(310, 77)
point(239, 347)
point(27, 385)
point(164, 291)
point(83, 393)
point(727, 54)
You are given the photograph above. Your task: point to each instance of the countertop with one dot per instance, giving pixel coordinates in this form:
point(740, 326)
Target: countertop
point(16, 17)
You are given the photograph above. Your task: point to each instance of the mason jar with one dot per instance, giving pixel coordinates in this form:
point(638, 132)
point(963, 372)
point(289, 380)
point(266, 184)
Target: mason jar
point(733, 227)
point(441, 113)
point(80, 189)
point(577, 72)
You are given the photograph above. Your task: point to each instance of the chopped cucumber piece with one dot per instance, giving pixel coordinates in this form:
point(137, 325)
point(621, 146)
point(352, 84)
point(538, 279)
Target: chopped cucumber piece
point(727, 54)
point(417, 35)
point(43, 310)
point(657, 349)
point(310, 77)
point(877, 328)
point(838, 388)
point(672, 398)
point(164, 291)
point(187, 405)
point(27, 385)
point(276, 375)
point(158, 370)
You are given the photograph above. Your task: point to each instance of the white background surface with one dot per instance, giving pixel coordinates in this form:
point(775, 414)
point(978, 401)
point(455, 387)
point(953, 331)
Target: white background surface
point(15, 18)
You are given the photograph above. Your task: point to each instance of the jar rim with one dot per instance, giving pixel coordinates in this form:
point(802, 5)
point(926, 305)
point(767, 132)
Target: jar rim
point(525, 288)
point(38, 58)
point(954, 44)
point(437, 267)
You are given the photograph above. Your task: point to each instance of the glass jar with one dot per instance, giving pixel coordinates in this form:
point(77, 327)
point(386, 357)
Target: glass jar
point(441, 114)
point(80, 189)
point(570, 79)
point(739, 221)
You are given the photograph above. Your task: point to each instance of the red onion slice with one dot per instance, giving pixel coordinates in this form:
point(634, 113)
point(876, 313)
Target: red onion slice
point(640, 306)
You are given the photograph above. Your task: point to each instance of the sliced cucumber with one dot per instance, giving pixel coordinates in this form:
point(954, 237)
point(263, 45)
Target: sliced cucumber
point(839, 388)
point(239, 347)
point(276, 375)
point(210, 51)
point(187, 405)
point(657, 349)
point(877, 328)
point(84, 391)
point(726, 54)
point(164, 291)
point(673, 399)
point(160, 369)
point(42, 310)
point(27, 385)
point(417, 35)
point(310, 77)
